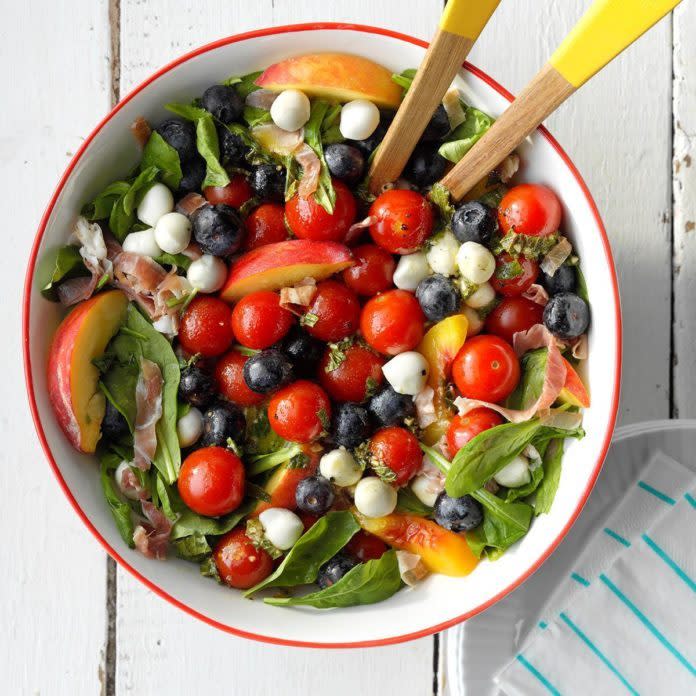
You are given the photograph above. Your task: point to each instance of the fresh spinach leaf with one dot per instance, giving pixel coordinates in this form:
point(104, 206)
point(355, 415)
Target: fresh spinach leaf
point(314, 548)
point(366, 583)
point(259, 437)
point(63, 264)
point(209, 148)
point(246, 84)
point(178, 260)
point(193, 548)
point(531, 383)
point(118, 384)
point(190, 522)
point(159, 153)
point(466, 134)
point(120, 510)
point(440, 196)
point(256, 154)
point(100, 208)
point(260, 463)
point(404, 79)
point(256, 116)
point(408, 501)
point(122, 214)
point(187, 111)
point(209, 570)
point(325, 194)
point(552, 476)
point(503, 523)
point(582, 286)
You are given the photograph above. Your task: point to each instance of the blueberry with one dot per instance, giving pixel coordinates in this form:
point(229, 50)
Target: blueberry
point(474, 222)
point(565, 279)
point(221, 421)
point(387, 407)
point(268, 181)
point(267, 371)
point(566, 315)
point(181, 135)
point(196, 387)
point(304, 351)
point(223, 102)
point(193, 173)
point(218, 229)
point(334, 569)
point(438, 126)
point(351, 425)
point(426, 166)
point(457, 514)
point(438, 297)
point(233, 151)
point(315, 495)
point(113, 425)
point(345, 162)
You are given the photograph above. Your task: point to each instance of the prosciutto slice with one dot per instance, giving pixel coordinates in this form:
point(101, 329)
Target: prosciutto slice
point(537, 294)
point(141, 131)
point(311, 167)
point(425, 407)
point(556, 257)
point(151, 537)
point(298, 298)
point(130, 482)
point(148, 411)
point(261, 99)
point(190, 203)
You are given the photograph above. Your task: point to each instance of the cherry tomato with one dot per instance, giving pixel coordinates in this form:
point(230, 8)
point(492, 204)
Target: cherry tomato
point(308, 520)
point(258, 320)
point(206, 327)
point(486, 368)
point(299, 412)
point(512, 315)
point(397, 449)
point(373, 270)
point(236, 193)
point(366, 547)
point(465, 427)
point(265, 225)
point(392, 322)
point(334, 312)
point(229, 378)
point(514, 275)
point(211, 481)
point(239, 563)
point(404, 221)
point(309, 220)
point(358, 373)
point(530, 209)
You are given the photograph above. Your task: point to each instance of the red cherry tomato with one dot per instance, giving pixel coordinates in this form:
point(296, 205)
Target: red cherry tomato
point(334, 312)
point(373, 270)
point(308, 520)
point(392, 322)
point(229, 378)
point(398, 450)
point(465, 427)
point(530, 209)
point(236, 193)
point(265, 225)
point(358, 373)
point(239, 563)
point(308, 220)
point(366, 547)
point(513, 314)
point(514, 275)
point(206, 327)
point(300, 411)
point(211, 481)
point(486, 368)
point(258, 320)
point(404, 221)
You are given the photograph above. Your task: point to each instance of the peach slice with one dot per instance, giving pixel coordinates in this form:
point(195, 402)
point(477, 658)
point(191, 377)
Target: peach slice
point(283, 264)
point(338, 76)
point(442, 551)
point(574, 391)
point(72, 378)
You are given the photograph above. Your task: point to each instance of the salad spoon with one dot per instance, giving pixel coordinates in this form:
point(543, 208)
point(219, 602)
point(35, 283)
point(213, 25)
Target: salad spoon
point(460, 25)
point(604, 31)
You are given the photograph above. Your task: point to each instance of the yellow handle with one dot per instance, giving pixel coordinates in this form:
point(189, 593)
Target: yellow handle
point(467, 17)
point(606, 29)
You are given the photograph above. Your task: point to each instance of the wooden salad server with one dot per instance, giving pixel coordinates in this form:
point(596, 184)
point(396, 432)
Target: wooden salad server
point(460, 25)
point(606, 29)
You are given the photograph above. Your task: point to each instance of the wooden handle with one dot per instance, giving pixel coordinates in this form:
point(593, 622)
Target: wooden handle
point(460, 26)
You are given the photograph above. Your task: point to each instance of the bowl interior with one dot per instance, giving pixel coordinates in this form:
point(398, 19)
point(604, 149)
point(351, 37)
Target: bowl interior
point(439, 601)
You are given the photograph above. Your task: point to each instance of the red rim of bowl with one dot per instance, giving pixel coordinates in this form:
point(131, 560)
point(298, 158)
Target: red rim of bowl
point(28, 369)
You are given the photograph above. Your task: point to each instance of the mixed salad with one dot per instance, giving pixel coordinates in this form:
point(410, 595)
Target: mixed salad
point(292, 382)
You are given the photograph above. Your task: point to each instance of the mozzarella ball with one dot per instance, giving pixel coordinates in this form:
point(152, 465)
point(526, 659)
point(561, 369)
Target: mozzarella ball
point(340, 467)
point(132, 493)
point(442, 255)
point(165, 325)
point(482, 297)
point(143, 243)
point(514, 474)
point(475, 321)
point(281, 527)
point(425, 489)
point(207, 274)
point(407, 372)
point(359, 118)
point(158, 201)
point(173, 233)
point(475, 262)
point(190, 427)
point(410, 270)
point(374, 498)
point(290, 110)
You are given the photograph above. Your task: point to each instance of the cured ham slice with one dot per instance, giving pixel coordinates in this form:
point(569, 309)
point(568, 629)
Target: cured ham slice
point(141, 131)
point(148, 411)
point(190, 203)
point(261, 99)
point(298, 298)
point(311, 167)
point(537, 294)
point(152, 537)
point(425, 407)
point(556, 257)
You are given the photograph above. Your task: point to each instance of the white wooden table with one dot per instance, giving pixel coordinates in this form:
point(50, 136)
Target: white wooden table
point(71, 622)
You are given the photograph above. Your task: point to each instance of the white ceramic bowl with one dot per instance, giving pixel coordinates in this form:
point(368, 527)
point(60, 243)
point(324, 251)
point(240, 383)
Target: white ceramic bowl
point(439, 602)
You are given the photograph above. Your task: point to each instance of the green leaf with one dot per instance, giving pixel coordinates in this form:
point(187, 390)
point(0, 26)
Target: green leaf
point(531, 384)
point(366, 583)
point(509, 270)
point(404, 79)
point(525, 245)
point(408, 501)
point(187, 111)
point(190, 522)
point(246, 84)
point(193, 548)
point(120, 510)
point(259, 437)
point(325, 194)
point(315, 547)
point(503, 523)
point(178, 260)
point(552, 476)
point(118, 384)
point(440, 196)
point(536, 473)
point(159, 153)
point(466, 134)
point(209, 570)
point(265, 462)
point(209, 148)
point(582, 286)
point(256, 154)
point(100, 208)
point(63, 264)
point(493, 197)
point(256, 116)
point(122, 214)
